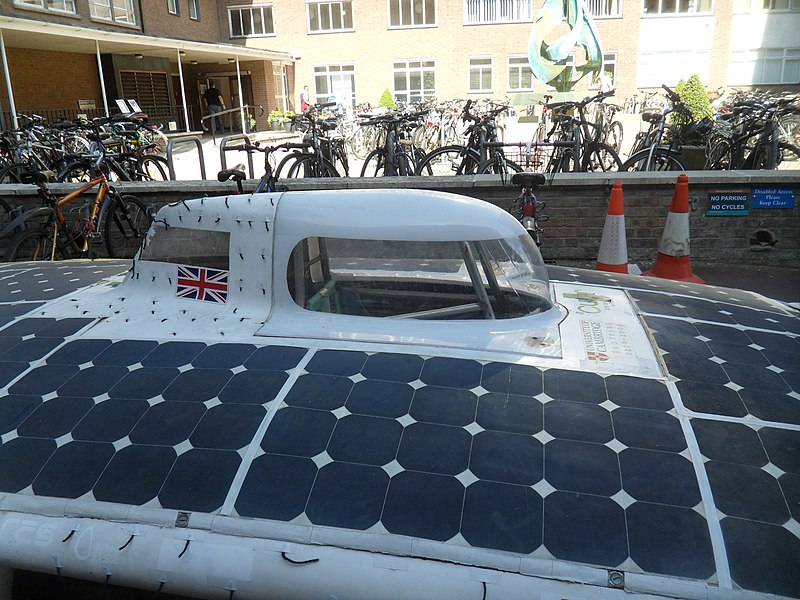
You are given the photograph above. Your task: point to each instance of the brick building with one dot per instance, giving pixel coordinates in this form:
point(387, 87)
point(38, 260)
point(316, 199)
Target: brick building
point(262, 52)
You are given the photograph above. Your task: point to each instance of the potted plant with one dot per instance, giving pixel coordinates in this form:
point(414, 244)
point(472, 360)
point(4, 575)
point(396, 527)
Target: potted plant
point(275, 119)
point(287, 121)
point(693, 131)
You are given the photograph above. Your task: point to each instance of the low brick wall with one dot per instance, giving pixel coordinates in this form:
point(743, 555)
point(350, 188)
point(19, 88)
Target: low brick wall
point(576, 205)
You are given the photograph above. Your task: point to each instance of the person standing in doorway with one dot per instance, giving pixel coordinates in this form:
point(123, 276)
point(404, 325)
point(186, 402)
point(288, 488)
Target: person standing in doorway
point(215, 104)
point(305, 99)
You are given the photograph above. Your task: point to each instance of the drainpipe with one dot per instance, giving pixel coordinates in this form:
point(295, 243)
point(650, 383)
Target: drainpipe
point(12, 107)
point(141, 15)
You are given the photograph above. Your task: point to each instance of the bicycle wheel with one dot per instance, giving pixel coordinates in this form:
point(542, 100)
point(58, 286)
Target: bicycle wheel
point(307, 166)
point(153, 168)
point(75, 172)
point(788, 157)
point(374, 164)
point(663, 159)
point(126, 221)
point(562, 161)
point(600, 157)
point(33, 244)
point(449, 160)
point(614, 136)
point(498, 166)
point(12, 172)
point(789, 130)
point(719, 155)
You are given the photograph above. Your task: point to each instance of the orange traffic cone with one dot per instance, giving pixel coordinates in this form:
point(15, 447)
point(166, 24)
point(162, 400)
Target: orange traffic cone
point(672, 261)
point(613, 255)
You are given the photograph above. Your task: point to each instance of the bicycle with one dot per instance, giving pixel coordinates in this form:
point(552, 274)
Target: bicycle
point(267, 182)
point(120, 221)
point(317, 155)
point(527, 208)
point(398, 155)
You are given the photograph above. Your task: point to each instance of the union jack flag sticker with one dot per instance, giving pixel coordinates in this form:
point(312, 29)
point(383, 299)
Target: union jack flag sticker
point(199, 283)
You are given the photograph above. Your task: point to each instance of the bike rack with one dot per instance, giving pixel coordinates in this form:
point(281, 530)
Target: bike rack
point(183, 140)
point(223, 163)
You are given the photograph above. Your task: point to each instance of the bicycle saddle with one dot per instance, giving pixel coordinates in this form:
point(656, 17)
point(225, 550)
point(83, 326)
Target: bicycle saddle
point(528, 180)
point(651, 117)
point(35, 177)
point(235, 174)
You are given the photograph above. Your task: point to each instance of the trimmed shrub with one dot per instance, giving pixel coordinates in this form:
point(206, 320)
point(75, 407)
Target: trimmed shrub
point(386, 100)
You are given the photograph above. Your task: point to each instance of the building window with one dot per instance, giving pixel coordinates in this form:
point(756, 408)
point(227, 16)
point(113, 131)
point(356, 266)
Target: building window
point(67, 6)
point(119, 11)
point(497, 11)
point(412, 13)
point(480, 75)
point(330, 16)
point(194, 10)
point(335, 83)
point(740, 6)
point(520, 76)
point(609, 71)
point(764, 66)
point(174, 7)
point(251, 21)
point(672, 7)
point(414, 80)
point(604, 8)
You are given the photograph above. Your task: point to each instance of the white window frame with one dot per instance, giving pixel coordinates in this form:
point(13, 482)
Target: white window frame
point(412, 4)
point(404, 67)
point(518, 68)
point(759, 58)
point(344, 8)
point(241, 9)
point(610, 57)
point(194, 10)
point(691, 8)
point(174, 7)
point(331, 72)
point(604, 9)
point(747, 6)
point(68, 5)
point(478, 65)
point(485, 12)
point(113, 11)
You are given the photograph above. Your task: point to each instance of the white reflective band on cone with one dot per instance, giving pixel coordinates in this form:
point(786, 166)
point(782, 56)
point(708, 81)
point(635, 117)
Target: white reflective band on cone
point(675, 239)
point(613, 244)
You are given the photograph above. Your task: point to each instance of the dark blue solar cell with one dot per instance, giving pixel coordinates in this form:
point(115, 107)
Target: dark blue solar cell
point(275, 358)
point(773, 341)
point(763, 558)
point(26, 327)
point(507, 457)
point(575, 386)
point(583, 528)
point(763, 501)
point(276, 487)
point(757, 378)
point(509, 413)
point(336, 362)
point(403, 368)
point(380, 398)
point(452, 372)
point(636, 392)
point(200, 480)
point(10, 370)
point(435, 449)
point(673, 336)
point(228, 426)
point(167, 423)
point(711, 398)
point(578, 421)
point(648, 429)
point(6, 343)
point(659, 304)
point(55, 417)
point(446, 406)
point(581, 467)
point(729, 442)
point(125, 353)
point(43, 380)
point(783, 448)
point(365, 440)
point(685, 365)
point(9, 311)
point(347, 495)
point(135, 475)
point(660, 477)
point(31, 349)
point(512, 379)
point(144, 383)
point(423, 505)
point(325, 392)
point(299, 432)
point(770, 405)
point(790, 484)
point(705, 310)
point(15, 409)
point(719, 334)
point(758, 318)
point(173, 354)
point(110, 421)
point(63, 328)
point(73, 469)
point(223, 356)
point(93, 381)
point(78, 352)
point(670, 540)
point(197, 385)
point(502, 517)
point(22, 459)
point(737, 354)
point(792, 378)
point(253, 387)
